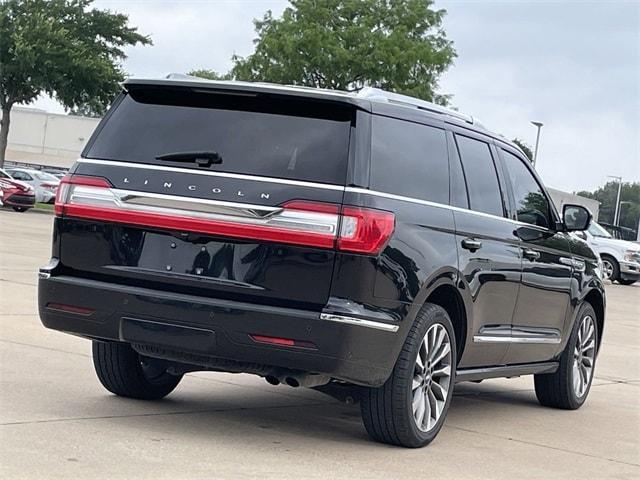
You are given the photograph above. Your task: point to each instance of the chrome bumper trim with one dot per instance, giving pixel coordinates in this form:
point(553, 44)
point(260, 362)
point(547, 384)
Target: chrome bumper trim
point(360, 322)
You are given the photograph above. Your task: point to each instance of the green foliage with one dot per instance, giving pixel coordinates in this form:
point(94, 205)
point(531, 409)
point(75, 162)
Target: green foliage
point(524, 147)
point(62, 48)
point(210, 74)
point(606, 195)
point(347, 44)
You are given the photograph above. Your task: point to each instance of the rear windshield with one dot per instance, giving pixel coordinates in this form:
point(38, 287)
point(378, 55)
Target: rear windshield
point(252, 135)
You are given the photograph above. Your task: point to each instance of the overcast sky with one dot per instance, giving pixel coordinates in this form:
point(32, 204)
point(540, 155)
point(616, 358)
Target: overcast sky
point(573, 65)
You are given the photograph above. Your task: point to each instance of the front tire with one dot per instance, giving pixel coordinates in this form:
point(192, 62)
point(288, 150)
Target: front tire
point(123, 371)
point(410, 408)
point(611, 268)
point(20, 209)
point(569, 386)
point(623, 281)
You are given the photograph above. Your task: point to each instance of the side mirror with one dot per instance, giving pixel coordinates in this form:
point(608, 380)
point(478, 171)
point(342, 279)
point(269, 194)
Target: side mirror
point(575, 218)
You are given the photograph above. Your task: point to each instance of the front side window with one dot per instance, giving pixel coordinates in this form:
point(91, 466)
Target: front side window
point(532, 205)
point(597, 231)
point(482, 178)
point(409, 159)
point(21, 176)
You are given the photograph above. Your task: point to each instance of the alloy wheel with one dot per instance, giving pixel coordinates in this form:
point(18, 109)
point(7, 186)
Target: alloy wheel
point(607, 268)
point(584, 355)
point(431, 378)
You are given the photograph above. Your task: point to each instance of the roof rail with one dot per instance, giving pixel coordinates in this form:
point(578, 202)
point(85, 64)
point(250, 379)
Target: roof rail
point(379, 95)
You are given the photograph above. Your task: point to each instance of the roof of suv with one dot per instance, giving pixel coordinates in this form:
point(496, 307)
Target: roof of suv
point(362, 98)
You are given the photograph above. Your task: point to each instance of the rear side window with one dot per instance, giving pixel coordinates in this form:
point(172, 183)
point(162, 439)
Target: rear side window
point(409, 159)
point(481, 176)
point(266, 137)
point(532, 205)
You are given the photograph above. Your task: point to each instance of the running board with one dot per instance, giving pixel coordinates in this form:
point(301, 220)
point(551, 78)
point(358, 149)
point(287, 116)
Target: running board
point(475, 374)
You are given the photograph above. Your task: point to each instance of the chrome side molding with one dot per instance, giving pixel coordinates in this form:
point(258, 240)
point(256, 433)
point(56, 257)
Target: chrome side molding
point(507, 334)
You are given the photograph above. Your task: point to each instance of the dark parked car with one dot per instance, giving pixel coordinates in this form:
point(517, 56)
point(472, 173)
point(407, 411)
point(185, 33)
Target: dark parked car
point(16, 194)
point(366, 242)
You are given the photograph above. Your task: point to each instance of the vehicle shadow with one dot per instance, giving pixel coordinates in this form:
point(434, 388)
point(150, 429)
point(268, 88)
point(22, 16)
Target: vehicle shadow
point(254, 418)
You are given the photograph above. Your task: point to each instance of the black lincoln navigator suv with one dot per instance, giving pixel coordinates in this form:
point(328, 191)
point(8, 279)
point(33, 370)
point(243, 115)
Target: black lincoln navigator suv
point(324, 239)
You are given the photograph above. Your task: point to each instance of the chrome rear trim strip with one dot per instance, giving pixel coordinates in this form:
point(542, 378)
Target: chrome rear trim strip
point(147, 199)
point(238, 176)
point(360, 322)
point(214, 210)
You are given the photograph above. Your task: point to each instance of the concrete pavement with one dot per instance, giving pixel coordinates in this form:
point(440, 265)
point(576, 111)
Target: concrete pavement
point(56, 420)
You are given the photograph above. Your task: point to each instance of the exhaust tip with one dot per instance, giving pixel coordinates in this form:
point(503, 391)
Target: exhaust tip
point(292, 382)
point(272, 380)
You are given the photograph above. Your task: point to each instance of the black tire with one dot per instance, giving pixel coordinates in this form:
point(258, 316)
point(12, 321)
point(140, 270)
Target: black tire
point(615, 268)
point(623, 281)
point(556, 389)
point(387, 411)
point(20, 209)
point(122, 371)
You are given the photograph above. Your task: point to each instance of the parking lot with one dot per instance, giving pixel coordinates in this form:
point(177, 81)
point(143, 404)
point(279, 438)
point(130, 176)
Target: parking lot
point(58, 422)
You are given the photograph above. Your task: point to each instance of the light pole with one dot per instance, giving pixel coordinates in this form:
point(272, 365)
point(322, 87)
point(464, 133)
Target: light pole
point(617, 210)
point(535, 150)
point(622, 202)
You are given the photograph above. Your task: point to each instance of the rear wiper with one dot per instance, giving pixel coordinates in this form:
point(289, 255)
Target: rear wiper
point(202, 159)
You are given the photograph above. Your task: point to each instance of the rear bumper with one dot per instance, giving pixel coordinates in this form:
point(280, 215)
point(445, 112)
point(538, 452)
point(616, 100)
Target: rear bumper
point(199, 327)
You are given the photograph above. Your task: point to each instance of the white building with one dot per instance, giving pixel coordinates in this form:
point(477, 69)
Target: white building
point(560, 198)
point(52, 139)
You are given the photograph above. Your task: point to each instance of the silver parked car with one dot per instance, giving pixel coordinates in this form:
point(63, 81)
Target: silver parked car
point(45, 184)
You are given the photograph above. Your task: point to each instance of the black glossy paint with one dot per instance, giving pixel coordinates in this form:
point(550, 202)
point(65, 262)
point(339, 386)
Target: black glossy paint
point(233, 288)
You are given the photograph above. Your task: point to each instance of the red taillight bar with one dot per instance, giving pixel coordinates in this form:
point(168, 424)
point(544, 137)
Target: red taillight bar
point(70, 308)
point(298, 222)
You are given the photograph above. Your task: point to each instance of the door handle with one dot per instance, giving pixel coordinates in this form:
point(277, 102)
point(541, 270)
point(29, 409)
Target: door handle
point(471, 244)
point(530, 254)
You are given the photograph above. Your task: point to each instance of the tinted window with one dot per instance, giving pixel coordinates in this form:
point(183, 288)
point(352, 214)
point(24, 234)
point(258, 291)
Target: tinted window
point(481, 176)
point(18, 175)
point(284, 139)
point(531, 204)
point(458, 187)
point(409, 159)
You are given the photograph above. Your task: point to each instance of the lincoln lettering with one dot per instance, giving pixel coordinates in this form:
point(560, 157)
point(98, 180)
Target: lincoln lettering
point(168, 185)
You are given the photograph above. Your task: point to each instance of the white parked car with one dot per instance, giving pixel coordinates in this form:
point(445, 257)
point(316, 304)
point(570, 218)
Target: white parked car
point(45, 184)
point(620, 258)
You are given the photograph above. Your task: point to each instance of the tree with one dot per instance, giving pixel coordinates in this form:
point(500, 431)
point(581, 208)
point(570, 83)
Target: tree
point(607, 195)
point(210, 74)
point(62, 48)
point(347, 44)
point(526, 149)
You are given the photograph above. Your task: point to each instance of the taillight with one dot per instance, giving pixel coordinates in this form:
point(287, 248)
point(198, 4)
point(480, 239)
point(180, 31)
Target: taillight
point(364, 230)
point(69, 183)
point(313, 224)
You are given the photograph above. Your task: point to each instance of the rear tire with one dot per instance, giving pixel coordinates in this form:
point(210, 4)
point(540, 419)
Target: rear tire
point(20, 209)
point(424, 373)
point(122, 371)
point(569, 386)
